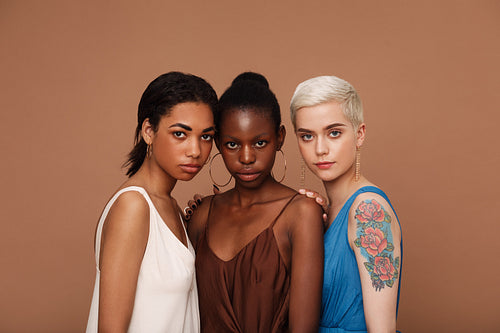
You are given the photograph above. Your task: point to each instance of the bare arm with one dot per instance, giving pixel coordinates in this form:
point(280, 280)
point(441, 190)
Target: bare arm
point(306, 266)
point(375, 236)
point(124, 240)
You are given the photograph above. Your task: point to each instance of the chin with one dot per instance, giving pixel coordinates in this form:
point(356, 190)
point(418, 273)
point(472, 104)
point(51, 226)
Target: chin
point(186, 177)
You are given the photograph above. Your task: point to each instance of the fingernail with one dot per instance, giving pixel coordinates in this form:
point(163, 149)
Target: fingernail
point(189, 211)
point(215, 186)
point(193, 206)
point(319, 200)
point(198, 201)
point(302, 191)
point(310, 194)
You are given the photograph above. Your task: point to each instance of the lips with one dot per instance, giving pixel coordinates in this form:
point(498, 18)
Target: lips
point(248, 176)
point(190, 168)
point(324, 165)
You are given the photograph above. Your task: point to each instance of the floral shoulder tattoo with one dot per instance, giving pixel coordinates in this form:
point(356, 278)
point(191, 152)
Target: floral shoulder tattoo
point(374, 239)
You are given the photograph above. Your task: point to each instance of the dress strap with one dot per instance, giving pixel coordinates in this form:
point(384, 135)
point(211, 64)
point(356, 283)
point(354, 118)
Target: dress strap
point(209, 214)
point(107, 208)
point(282, 210)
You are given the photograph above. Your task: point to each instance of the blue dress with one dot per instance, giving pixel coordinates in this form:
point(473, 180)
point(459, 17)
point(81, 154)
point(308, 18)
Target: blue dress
point(342, 299)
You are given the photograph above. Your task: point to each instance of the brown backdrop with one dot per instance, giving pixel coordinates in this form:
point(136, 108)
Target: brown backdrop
point(72, 73)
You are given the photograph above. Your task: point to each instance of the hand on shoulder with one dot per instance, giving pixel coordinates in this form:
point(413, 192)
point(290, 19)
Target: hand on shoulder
point(198, 218)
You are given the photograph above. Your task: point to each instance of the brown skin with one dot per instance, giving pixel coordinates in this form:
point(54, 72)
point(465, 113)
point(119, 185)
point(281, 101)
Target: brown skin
point(248, 143)
point(126, 228)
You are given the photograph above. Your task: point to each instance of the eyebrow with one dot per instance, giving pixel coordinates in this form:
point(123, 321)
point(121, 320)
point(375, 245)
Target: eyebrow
point(326, 128)
point(187, 128)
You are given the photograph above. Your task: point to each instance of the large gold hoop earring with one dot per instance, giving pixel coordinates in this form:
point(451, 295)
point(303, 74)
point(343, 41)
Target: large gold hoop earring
point(210, 172)
point(284, 172)
point(358, 164)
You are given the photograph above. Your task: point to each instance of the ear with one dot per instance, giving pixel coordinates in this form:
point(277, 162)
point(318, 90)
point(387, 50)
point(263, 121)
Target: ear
point(281, 136)
point(147, 131)
point(360, 135)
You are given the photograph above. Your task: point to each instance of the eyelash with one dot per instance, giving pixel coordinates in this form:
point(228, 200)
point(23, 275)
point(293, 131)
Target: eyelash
point(304, 137)
point(263, 143)
point(182, 135)
point(258, 144)
point(335, 131)
point(179, 134)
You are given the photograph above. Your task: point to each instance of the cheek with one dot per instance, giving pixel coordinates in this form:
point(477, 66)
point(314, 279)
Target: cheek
point(307, 152)
point(206, 148)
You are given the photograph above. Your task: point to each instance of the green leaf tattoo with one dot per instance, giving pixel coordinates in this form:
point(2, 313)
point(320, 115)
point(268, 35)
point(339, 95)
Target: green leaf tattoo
point(374, 239)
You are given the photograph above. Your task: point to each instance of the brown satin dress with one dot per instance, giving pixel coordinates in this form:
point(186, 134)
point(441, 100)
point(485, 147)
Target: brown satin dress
point(248, 293)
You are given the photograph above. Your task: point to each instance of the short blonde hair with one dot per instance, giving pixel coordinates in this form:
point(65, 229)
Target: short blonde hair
point(323, 89)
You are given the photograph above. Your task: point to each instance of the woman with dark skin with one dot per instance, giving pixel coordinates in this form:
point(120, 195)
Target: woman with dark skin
point(259, 245)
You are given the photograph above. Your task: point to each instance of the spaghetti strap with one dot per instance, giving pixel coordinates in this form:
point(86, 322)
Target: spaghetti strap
point(209, 213)
point(282, 210)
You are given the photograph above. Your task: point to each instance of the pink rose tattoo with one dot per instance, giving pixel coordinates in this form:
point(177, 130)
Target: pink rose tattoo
point(374, 239)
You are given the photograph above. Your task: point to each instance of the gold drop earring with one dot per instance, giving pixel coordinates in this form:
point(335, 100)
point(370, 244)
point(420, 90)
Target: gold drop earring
point(358, 164)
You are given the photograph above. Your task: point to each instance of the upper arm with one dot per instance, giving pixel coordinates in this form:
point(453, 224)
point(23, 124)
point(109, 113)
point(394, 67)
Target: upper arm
point(198, 221)
point(375, 237)
point(124, 239)
point(306, 238)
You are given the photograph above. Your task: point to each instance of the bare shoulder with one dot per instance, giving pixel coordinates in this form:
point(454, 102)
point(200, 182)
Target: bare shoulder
point(370, 206)
point(304, 212)
point(129, 212)
point(304, 205)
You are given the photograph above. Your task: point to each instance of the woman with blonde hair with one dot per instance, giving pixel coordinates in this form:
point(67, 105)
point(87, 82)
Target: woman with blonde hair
point(363, 247)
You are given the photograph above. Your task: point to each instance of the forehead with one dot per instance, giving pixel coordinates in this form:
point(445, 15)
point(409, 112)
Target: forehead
point(246, 121)
point(193, 114)
point(321, 115)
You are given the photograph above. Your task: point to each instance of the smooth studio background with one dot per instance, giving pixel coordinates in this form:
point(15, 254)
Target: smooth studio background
point(72, 73)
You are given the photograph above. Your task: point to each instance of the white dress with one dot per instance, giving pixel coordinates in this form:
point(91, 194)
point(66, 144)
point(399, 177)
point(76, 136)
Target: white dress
point(166, 299)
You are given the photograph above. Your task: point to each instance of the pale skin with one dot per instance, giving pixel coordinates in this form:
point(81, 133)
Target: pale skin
point(249, 142)
point(328, 142)
point(180, 146)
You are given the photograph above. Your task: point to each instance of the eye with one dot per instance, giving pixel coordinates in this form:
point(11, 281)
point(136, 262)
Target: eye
point(231, 145)
point(207, 137)
point(306, 137)
point(179, 134)
point(261, 144)
point(334, 133)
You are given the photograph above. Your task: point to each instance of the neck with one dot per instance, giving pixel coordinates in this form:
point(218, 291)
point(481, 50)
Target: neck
point(155, 180)
point(247, 196)
point(339, 189)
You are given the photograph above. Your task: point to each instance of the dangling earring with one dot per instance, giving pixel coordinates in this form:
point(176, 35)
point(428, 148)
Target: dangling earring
point(210, 172)
point(358, 164)
point(284, 172)
point(302, 176)
point(149, 150)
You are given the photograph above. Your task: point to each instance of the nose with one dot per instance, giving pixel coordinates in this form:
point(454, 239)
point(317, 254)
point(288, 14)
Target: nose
point(321, 146)
point(247, 155)
point(194, 149)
